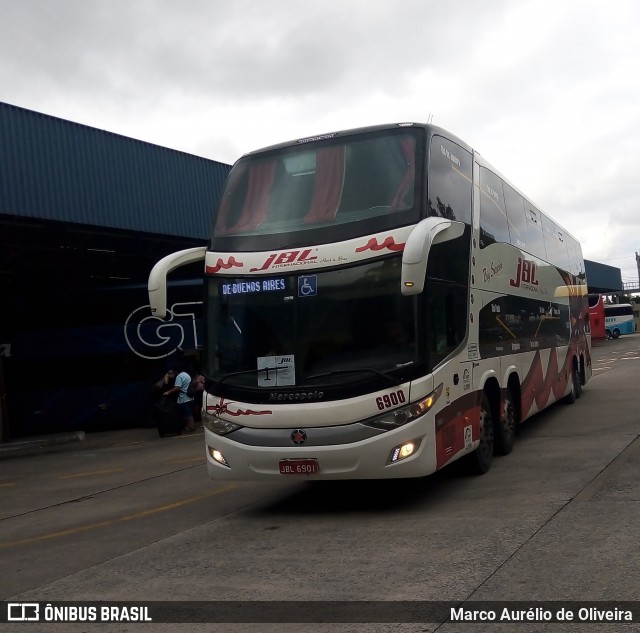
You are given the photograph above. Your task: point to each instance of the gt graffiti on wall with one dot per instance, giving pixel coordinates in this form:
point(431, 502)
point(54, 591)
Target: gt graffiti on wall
point(153, 338)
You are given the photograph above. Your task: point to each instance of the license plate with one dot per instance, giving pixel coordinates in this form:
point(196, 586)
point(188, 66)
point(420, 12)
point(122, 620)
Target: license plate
point(298, 466)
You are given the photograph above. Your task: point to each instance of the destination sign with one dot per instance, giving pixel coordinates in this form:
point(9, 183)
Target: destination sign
point(253, 287)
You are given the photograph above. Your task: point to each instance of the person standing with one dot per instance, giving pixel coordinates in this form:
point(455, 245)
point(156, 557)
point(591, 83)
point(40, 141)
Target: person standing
point(197, 389)
point(185, 403)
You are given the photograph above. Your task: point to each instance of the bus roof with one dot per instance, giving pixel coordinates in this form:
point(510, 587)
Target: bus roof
point(432, 129)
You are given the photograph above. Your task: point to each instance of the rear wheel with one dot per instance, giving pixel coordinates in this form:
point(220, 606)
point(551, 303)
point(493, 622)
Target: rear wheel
point(616, 333)
point(506, 425)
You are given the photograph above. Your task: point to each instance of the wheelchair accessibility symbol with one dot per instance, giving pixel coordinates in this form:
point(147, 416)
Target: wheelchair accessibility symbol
point(308, 286)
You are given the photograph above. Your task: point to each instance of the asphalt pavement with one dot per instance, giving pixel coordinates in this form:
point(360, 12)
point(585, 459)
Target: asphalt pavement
point(555, 521)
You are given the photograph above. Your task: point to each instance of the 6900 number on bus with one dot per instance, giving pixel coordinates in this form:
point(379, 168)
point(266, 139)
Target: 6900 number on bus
point(389, 400)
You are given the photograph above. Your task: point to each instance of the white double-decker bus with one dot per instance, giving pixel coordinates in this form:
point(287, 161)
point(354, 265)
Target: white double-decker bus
point(380, 302)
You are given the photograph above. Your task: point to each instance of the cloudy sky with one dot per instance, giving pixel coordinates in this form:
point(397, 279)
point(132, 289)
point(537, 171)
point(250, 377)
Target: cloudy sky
point(547, 90)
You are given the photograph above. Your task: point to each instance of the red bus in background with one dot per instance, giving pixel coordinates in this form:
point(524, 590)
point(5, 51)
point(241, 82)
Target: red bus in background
point(596, 317)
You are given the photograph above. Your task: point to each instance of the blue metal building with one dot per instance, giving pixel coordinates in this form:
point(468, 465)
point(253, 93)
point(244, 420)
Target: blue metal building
point(84, 215)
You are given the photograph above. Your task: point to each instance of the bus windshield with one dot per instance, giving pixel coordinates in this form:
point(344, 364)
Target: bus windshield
point(339, 326)
point(321, 183)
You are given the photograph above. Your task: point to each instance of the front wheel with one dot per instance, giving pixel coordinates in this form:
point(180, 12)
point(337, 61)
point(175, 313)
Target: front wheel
point(479, 462)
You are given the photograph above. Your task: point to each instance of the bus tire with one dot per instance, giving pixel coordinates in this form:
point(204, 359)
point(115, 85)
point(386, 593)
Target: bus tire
point(575, 383)
point(578, 378)
point(479, 462)
point(505, 428)
point(616, 333)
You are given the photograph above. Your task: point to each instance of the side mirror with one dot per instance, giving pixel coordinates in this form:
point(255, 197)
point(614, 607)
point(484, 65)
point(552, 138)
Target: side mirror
point(425, 234)
point(158, 276)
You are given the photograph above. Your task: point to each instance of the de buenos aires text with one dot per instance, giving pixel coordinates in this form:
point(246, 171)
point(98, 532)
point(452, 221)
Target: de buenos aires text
point(245, 287)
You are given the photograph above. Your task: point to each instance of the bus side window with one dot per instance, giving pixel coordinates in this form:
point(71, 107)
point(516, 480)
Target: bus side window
point(535, 239)
point(517, 220)
point(449, 181)
point(447, 316)
point(493, 216)
point(555, 244)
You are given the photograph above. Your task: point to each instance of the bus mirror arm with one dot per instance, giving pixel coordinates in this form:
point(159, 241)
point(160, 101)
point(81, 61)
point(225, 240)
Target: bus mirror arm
point(428, 232)
point(158, 276)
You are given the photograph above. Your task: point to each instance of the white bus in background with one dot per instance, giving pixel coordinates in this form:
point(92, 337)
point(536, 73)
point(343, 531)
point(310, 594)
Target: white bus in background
point(618, 319)
point(380, 303)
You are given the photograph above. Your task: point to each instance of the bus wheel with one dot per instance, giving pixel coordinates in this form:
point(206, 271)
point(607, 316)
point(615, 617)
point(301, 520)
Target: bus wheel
point(506, 426)
point(479, 462)
point(616, 333)
point(577, 376)
point(608, 334)
point(574, 394)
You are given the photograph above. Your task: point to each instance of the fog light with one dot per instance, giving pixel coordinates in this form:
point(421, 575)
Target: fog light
point(403, 451)
point(406, 450)
point(217, 456)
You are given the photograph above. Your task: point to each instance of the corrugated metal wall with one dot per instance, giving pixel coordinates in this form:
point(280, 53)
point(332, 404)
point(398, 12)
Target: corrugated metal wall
point(58, 170)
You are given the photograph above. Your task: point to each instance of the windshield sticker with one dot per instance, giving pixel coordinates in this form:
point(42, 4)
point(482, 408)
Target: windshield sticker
point(308, 286)
point(253, 287)
point(276, 371)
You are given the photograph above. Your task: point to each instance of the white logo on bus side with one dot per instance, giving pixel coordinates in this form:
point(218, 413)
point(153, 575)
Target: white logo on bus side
point(150, 337)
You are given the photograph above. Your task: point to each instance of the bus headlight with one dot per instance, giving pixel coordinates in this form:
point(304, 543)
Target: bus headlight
point(217, 456)
point(218, 425)
point(403, 415)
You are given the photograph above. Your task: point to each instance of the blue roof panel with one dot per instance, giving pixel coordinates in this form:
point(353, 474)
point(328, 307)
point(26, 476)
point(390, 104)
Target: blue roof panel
point(55, 169)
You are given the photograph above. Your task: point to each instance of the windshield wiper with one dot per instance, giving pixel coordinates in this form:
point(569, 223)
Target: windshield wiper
point(337, 372)
point(326, 374)
point(236, 373)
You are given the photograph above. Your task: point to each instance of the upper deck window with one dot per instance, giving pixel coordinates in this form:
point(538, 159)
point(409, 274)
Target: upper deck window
point(450, 180)
point(493, 216)
point(320, 184)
